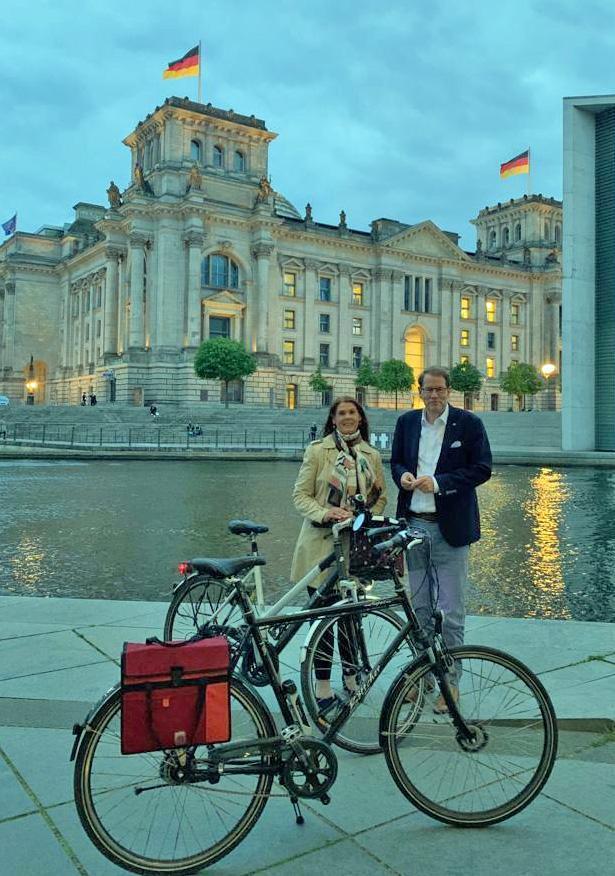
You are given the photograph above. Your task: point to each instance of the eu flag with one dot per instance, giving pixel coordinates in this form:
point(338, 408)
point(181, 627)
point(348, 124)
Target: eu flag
point(10, 226)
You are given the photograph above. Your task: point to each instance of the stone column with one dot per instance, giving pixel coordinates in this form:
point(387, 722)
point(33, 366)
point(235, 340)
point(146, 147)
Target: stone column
point(344, 322)
point(481, 328)
point(381, 331)
point(397, 304)
point(136, 329)
point(504, 353)
point(193, 240)
point(261, 252)
point(111, 303)
point(452, 351)
point(122, 341)
point(250, 317)
point(1, 327)
point(9, 325)
point(309, 326)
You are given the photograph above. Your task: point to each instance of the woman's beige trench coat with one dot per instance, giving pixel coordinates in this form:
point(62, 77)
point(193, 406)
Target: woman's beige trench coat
point(310, 499)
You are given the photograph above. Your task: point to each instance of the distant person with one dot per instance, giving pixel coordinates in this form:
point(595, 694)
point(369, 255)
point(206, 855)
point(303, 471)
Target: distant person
point(84, 400)
point(190, 429)
point(313, 432)
point(92, 399)
point(3, 429)
point(440, 455)
point(197, 430)
point(153, 410)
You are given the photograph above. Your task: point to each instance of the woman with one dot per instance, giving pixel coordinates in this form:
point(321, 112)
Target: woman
point(334, 469)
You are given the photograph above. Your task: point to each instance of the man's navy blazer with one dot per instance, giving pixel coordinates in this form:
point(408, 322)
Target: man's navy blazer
point(464, 463)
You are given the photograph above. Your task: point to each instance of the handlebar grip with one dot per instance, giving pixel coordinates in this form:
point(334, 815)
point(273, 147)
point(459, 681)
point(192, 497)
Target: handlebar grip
point(396, 541)
point(375, 531)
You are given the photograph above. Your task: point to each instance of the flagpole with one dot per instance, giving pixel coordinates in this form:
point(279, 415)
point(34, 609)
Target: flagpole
point(200, 64)
point(529, 171)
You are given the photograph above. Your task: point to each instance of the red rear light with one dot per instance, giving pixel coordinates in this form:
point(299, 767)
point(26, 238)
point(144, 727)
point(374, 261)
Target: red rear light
point(184, 568)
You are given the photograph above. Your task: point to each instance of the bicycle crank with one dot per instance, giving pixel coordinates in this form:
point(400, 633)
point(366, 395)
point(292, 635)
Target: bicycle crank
point(310, 772)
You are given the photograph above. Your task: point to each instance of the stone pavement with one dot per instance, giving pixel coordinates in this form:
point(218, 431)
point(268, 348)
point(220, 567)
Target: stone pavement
point(57, 656)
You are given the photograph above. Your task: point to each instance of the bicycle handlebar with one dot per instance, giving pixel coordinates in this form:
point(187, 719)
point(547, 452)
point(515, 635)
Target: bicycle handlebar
point(404, 539)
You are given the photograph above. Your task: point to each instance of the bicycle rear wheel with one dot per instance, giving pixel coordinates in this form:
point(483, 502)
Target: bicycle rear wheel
point(140, 814)
point(486, 782)
point(193, 604)
point(353, 645)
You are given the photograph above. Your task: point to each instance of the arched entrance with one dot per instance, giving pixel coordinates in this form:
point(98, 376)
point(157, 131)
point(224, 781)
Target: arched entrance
point(414, 356)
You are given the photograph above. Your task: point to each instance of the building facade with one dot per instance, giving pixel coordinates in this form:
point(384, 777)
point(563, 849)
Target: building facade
point(199, 246)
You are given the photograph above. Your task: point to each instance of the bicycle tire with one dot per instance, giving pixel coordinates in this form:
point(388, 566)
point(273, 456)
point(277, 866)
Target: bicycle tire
point(360, 733)
point(193, 604)
point(159, 829)
point(517, 729)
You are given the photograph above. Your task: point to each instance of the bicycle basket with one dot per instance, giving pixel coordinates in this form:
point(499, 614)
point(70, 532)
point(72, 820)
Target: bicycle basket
point(364, 563)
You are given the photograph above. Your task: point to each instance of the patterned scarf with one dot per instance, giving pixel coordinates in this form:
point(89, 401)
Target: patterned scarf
point(351, 473)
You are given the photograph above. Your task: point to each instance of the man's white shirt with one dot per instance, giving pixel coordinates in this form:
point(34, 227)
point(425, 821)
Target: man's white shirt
point(430, 445)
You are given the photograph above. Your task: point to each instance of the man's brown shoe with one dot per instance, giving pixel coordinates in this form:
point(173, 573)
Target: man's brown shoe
point(440, 707)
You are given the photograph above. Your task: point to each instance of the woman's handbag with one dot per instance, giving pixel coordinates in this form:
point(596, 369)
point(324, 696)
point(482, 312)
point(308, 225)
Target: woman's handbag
point(175, 694)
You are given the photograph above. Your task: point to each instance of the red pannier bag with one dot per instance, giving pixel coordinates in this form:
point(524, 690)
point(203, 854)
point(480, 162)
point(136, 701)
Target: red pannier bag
point(175, 694)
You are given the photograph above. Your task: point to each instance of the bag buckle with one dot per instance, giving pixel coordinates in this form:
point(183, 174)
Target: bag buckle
point(176, 675)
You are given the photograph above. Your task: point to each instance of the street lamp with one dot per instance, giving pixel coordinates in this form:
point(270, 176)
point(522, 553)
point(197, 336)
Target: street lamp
point(547, 371)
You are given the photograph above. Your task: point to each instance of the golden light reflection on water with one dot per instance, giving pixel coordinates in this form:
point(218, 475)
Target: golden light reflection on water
point(545, 508)
point(28, 565)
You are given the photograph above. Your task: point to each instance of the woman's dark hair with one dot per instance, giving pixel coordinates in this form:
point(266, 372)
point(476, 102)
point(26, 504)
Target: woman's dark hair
point(363, 424)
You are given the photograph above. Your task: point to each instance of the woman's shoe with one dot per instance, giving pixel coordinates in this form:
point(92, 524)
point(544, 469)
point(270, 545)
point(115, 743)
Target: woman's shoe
point(327, 704)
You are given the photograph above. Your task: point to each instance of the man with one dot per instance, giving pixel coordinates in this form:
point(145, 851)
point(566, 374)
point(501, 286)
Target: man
point(439, 456)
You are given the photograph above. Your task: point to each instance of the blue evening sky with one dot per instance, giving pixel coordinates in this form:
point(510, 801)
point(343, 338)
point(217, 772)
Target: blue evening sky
point(402, 109)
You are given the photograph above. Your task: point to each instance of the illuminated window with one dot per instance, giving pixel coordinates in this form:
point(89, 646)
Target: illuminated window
point(325, 323)
point(357, 293)
point(514, 343)
point(514, 314)
point(357, 326)
point(465, 360)
point(289, 352)
point(464, 339)
point(290, 284)
point(289, 319)
point(465, 307)
point(414, 350)
point(490, 309)
point(490, 367)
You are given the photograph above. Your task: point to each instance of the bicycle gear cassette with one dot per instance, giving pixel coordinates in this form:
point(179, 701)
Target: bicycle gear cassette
point(254, 670)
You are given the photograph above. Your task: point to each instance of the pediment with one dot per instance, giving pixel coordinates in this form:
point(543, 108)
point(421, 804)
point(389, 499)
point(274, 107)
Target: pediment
point(224, 297)
point(425, 239)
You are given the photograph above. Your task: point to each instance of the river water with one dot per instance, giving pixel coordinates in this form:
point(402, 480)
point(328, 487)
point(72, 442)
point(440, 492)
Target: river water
point(116, 529)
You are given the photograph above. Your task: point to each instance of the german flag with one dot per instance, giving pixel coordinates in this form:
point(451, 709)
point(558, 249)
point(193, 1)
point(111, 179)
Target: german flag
point(186, 66)
point(518, 164)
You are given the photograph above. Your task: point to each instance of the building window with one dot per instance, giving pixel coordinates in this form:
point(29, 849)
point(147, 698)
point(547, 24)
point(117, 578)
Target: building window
point(324, 323)
point(195, 151)
point(218, 156)
point(465, 307)
point(558, 233)
point(492, 240)
point(292, 396)
point(289, 352)
point(325, 289)
point(357, 293)
point(357, 326)
point(417, 294)
point(464, 339)
point(407, 301)
point(75, 308)
point(506, 236)
point(514, 343)
point(86, 301)
point(495, 400)
point(427, 295)
point(290, 284)
point(323, 357)
point(490, 310)
point(464, 360)
point(289, 319)
point(514, 314)
point(98, 328)
point(518, 231)
point(219, 326)
point(491, 340)
point(239, 161)
point(357, 356)
point(490, 367)
point(547, 231)
point(87, 331)
point(218, 270)
point(98, 296)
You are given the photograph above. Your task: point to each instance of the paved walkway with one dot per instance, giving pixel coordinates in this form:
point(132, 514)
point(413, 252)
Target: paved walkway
point(59, 655)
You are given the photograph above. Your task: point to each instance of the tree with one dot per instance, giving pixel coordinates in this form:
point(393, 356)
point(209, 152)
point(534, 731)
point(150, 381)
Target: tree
point(317, 382)
point(521, 379)
point(466, 378)
point(366, 373)
point(395, 376)
point(225, 360)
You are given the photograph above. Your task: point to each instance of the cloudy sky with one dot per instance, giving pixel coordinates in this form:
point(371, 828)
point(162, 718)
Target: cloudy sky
point(403, 109)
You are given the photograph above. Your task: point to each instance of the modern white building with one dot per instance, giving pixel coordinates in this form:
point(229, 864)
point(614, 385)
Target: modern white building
point(199, 245)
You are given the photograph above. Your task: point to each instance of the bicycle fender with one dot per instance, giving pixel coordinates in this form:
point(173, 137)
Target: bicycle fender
point(314, 624)
point(184, 581)
point(79, 728)
point(392, 692)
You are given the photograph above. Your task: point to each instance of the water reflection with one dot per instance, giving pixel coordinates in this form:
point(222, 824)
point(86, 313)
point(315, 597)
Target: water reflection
point(117, 530)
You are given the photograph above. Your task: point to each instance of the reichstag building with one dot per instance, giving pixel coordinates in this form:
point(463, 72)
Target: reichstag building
point(200, 245)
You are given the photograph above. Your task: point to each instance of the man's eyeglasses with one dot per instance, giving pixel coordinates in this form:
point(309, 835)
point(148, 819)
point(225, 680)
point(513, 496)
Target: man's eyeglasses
point(439, 390)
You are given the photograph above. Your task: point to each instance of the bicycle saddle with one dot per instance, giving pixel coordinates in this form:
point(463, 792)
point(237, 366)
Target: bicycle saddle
point(225, 568)
point(246, 527)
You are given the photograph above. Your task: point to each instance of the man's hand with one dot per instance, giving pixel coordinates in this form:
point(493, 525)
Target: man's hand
point(425, 484)
point(336, 514)
point(407, 481)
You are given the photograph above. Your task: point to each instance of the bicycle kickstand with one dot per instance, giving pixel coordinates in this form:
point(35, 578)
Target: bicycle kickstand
point(299, 819)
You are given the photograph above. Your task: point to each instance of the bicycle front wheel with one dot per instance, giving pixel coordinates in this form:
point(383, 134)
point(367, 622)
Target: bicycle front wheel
point(193, 604)
point(140, 812)
point(347, 649)
point(480, 783)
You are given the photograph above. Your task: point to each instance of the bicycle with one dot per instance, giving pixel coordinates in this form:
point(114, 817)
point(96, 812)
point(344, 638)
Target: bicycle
point(179, 810)
point(207, 599)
